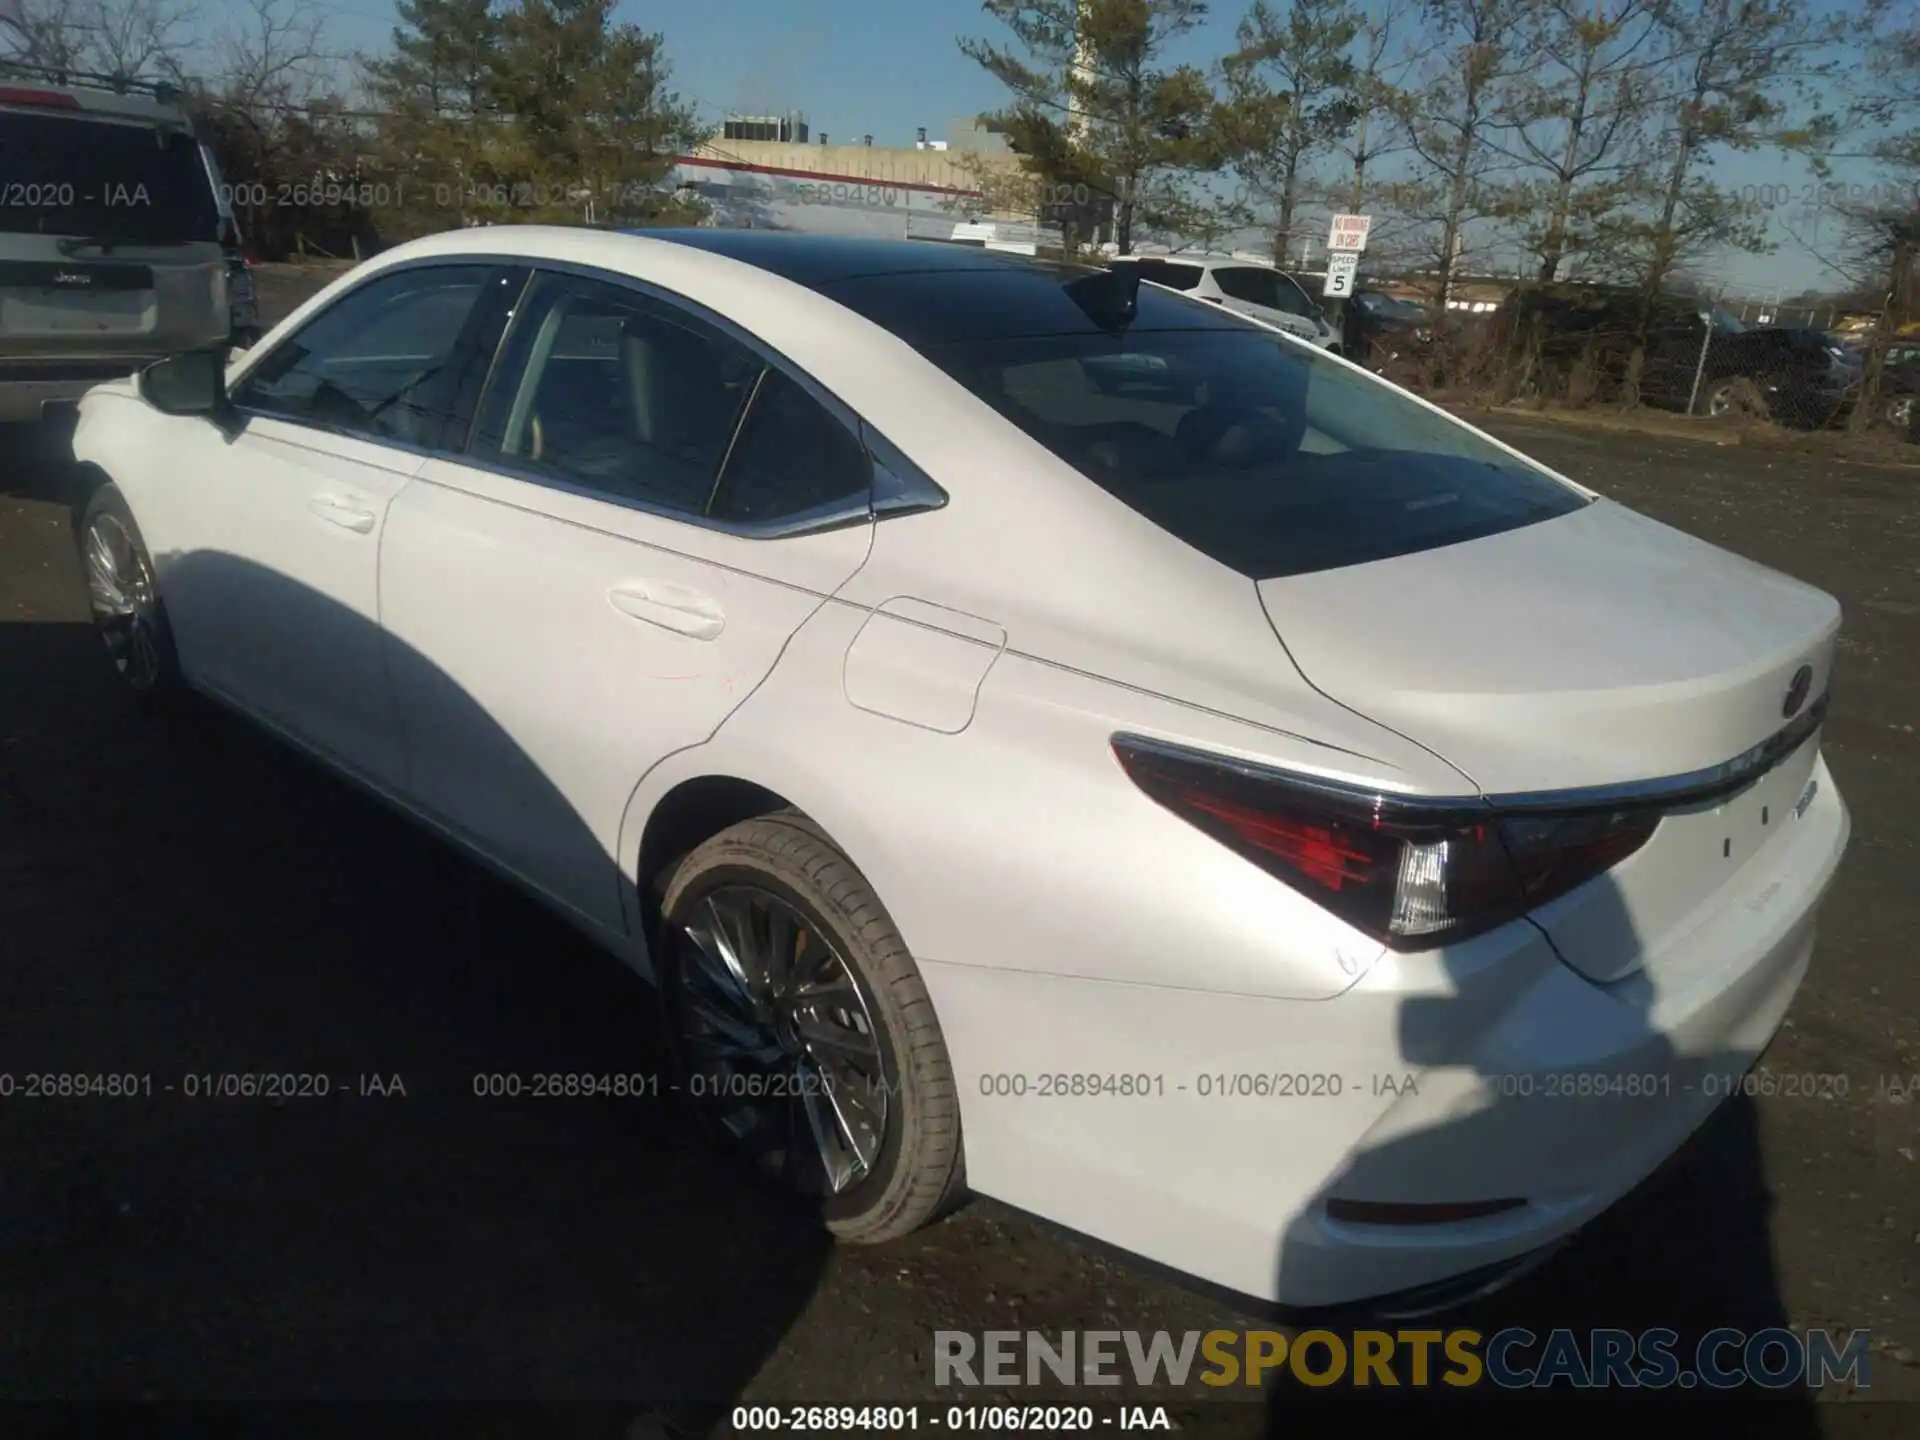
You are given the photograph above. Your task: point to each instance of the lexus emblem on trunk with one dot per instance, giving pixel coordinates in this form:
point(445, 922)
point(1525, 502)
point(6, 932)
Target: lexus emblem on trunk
point(1797, 691)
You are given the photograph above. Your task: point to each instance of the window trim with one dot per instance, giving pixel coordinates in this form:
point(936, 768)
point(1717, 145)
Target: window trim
point(463, 353)
point(912, 491)
point(908, 490)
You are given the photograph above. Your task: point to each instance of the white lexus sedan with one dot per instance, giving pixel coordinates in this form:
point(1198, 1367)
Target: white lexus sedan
point(1045, 737)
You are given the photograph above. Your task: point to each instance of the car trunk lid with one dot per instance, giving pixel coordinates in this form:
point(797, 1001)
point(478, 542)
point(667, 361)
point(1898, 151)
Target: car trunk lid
point(149, 297)
point(1596, 649)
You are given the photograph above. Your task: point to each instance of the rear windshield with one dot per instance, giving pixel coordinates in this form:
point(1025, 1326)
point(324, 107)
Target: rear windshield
point(101, 180)
point(1255, 449)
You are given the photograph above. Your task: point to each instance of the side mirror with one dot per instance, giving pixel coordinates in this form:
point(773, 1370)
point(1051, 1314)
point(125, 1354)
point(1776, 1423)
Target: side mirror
point(193, 383)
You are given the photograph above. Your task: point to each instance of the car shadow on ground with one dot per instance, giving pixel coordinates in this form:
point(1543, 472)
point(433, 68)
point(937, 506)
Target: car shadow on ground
point(182, 900)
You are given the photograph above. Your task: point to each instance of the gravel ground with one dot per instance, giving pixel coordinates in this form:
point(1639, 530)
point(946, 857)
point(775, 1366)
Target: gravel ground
point(183, 898)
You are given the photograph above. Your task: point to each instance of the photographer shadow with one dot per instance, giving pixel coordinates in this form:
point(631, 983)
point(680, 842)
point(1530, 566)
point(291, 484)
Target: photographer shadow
point(184, 902)
point(1686, 1252)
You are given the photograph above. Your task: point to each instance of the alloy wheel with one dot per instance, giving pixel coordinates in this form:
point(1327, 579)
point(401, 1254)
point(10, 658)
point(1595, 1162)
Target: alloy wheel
point(1900, 412)
point(125, 603)
point(778, 1040)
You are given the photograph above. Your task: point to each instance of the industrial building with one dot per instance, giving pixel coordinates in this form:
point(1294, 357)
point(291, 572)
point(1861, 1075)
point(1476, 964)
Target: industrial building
point(773, 171)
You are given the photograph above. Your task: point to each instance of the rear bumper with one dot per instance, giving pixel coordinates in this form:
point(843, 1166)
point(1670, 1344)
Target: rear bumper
point(1450, 1076)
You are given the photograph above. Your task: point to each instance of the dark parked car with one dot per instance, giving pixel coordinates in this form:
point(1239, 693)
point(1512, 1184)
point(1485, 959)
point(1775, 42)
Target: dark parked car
point(1376, 326)
point(1699, 357)
point(1899, 385)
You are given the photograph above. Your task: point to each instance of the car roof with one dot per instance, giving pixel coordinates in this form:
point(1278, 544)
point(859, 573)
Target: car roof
point(930, 294)
point(789, 289)
point(33, 90)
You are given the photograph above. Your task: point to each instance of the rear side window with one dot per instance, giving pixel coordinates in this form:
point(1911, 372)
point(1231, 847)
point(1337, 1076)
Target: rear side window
point(792, 458)
point(607, 389)
point(103, 180)
point(1256, 287)
point(1266, 456)
point(1292, 298)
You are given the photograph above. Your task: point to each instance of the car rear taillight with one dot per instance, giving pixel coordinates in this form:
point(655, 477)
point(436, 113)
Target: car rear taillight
point(1411, 873)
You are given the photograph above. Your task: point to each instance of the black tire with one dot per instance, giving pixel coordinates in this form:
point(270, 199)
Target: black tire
point(918, 1171)
point(106, 518)
point(1734, 395)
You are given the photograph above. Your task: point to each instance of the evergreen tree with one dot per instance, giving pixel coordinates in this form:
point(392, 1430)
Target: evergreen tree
point(1290, 96)
point(1098, 109)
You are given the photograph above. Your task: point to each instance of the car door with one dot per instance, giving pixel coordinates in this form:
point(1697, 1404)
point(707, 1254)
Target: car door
point(648, 509)
point(1296, 301)
point(275, 599)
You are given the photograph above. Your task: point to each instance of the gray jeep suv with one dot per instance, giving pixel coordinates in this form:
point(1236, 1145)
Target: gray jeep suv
point(112, 225)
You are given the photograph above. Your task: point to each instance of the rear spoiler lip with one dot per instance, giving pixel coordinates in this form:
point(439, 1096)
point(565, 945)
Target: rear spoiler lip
point(1714, 782)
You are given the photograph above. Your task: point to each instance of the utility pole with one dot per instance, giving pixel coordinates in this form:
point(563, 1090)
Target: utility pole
point(1081, 78)
point(1359, 164)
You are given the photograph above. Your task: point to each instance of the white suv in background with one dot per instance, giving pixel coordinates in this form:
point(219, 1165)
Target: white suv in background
point(1247, 287)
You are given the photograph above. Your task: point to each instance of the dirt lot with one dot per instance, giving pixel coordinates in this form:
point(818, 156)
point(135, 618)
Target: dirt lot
point(184, 899)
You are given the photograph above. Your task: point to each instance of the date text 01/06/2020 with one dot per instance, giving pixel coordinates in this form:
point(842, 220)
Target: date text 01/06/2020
point(1313, 1085)
point(908, 1419)
point(198, 1085)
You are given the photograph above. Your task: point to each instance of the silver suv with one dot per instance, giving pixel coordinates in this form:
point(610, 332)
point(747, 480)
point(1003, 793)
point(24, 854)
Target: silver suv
point(112, 223)
point(1248, 287)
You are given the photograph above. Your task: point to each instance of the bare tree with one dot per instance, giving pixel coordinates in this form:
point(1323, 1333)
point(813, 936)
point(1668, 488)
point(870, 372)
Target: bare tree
point(1728, 71)
point(1099, 105)
point(1880, 251)
point(1576, 124)
point(131, 38)
point(1385, 53)
point(142, 37)
point(1451, 120)
point(45, 32)
point(272, 57)
point(271, 102)
point(1289, 98)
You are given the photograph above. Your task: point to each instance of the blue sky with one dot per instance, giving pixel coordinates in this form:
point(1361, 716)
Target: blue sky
point(883, 67)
